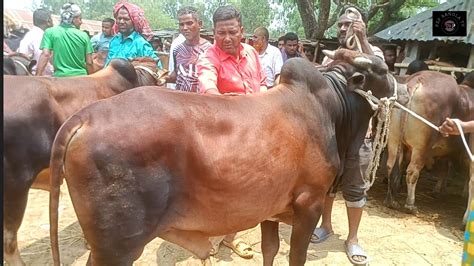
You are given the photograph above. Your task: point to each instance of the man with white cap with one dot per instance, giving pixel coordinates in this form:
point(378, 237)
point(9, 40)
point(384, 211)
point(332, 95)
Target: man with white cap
point(70, 47)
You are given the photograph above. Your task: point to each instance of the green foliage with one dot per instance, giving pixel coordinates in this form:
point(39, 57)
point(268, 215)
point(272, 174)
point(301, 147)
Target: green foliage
point(280, 16)
point(255, 13)
point(408, 9)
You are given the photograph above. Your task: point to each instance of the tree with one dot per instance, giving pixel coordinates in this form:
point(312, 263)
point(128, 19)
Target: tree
point(255, 13)
point(381, 13)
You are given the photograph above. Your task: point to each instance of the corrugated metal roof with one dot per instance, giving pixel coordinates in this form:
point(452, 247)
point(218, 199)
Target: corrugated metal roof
point(419, 27)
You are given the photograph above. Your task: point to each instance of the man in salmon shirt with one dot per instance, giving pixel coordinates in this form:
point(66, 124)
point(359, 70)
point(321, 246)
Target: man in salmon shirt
point(229, 66)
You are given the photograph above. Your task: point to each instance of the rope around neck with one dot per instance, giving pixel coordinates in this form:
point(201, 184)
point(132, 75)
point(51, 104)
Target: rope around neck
point(22, 66)
point(157, 75)
point(383, 108)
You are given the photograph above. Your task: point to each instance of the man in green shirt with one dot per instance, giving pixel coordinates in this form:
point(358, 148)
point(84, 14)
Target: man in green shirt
point(70, 47)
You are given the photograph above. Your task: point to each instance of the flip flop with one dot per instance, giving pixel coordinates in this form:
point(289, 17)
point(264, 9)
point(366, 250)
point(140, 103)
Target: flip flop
point(240, 248)
point(214, 250)
point(320, 235)
point(356, 250)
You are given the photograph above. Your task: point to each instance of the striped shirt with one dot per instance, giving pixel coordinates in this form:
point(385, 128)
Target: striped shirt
point(185, 58)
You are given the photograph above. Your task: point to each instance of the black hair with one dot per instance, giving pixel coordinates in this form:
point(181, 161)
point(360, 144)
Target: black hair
point(389, 47)
point(109, 20)
point(189, 10)
point(41, 16)
point(223, 13)
point(291, 36)
point(416, 66)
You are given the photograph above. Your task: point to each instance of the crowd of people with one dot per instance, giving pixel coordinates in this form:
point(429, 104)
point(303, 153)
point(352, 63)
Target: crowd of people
point(225, 67)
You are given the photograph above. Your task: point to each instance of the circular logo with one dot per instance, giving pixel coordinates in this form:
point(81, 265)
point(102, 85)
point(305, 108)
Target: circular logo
point(449, 25)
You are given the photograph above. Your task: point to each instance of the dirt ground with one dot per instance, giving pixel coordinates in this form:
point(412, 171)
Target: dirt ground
point(433, 237)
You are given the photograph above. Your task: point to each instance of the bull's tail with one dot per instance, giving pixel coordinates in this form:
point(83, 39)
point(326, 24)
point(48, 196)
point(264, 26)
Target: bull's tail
point(58, 152)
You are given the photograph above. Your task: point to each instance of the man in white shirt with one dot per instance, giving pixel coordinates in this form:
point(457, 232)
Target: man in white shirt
point(270, 56)
point(177, 41)
point(30, 44)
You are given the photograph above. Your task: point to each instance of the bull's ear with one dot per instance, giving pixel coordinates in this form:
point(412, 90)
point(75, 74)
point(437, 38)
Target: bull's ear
point(356, 81)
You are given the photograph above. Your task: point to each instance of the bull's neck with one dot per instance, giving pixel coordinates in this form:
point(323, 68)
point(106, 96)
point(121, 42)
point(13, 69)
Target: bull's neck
point(351, 114)
point(114, 81)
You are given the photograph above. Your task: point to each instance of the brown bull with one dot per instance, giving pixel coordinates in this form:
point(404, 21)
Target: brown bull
point(186, 167)
point(34, 108)
point(434, 96)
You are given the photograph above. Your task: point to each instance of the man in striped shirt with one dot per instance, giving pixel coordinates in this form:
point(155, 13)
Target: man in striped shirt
point(186, 54)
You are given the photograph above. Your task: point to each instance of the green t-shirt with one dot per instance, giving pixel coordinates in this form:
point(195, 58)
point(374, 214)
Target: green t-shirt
point(69, 46)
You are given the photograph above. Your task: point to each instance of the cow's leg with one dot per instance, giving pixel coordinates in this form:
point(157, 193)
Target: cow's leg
point(441, 168)
point(270, 241)
point(413, 172)
point(307, 208)
point(14, 209)
point(393, 174)
point(42, 180)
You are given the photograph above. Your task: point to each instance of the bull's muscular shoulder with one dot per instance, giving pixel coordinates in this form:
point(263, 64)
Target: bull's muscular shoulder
point(301, 70)
point(124, 68)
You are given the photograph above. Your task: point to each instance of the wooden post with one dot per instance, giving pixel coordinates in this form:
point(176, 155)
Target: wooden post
point(412, 53)
point(470, 63)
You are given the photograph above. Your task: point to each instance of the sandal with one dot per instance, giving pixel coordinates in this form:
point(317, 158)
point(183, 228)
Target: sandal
point(355, 250)
point(240, 248)
point(214, 250)
point(320, 235)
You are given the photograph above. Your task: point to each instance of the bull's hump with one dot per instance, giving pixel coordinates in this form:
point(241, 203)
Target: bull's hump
point(124, 68)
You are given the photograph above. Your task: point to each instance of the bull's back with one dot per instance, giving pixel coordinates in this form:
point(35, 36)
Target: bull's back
point(435, 96)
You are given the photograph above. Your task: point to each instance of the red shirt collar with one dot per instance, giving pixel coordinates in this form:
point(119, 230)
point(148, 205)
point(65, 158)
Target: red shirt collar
point(224, 56)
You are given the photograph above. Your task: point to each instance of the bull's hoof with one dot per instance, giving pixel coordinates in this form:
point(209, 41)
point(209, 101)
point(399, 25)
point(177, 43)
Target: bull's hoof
point(392, 204)
point(411, 209)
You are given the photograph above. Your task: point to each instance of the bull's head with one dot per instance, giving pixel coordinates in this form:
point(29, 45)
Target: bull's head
point(366, 72)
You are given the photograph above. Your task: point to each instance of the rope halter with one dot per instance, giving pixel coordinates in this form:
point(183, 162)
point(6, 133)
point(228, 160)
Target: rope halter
point(352, 41)
point(158, 75)
point(383, 109)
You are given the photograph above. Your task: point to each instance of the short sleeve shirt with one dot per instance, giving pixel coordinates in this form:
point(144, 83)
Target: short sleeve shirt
point(100, 42)
point(30, 46)
point(272, 62)
point(225, 73)
point(186, 57)
point(131, 47)
point(70, 47)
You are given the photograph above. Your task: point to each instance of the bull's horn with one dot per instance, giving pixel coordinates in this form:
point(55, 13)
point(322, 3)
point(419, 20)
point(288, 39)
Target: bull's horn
point(362, 61)
point(329, 53)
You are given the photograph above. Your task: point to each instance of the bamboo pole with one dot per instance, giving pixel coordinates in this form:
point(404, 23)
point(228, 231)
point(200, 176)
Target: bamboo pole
point(440, 68)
